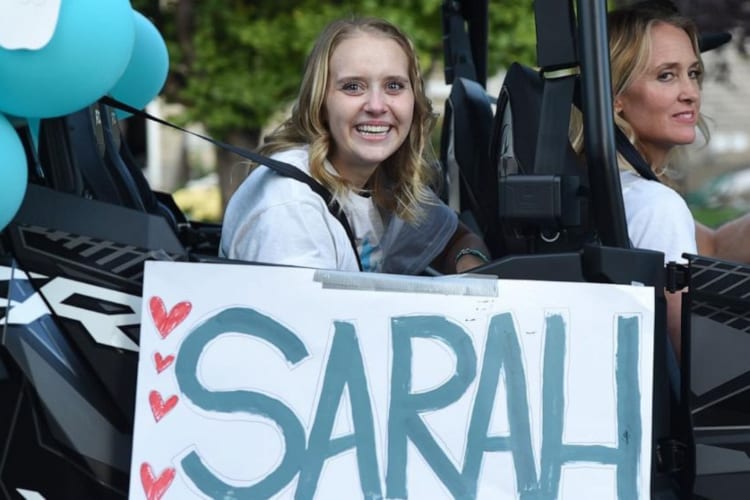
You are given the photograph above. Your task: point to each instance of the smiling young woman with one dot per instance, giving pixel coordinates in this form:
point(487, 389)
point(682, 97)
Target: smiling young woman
point(360, 127)
point(369, 104)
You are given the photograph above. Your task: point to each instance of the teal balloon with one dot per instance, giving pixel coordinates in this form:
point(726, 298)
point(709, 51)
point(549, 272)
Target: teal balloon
point(147, 70)
point(13, 172)
point(87, 54)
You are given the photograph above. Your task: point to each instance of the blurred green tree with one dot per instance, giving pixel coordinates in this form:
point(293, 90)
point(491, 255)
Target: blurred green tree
point(235, 64)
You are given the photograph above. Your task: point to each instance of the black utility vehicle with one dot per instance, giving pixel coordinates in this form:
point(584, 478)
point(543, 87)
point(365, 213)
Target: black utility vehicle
point(71, 265)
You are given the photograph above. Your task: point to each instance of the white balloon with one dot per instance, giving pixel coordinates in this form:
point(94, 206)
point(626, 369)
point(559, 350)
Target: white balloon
point(28, 25)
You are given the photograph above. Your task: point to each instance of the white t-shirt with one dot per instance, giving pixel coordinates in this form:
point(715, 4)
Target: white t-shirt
point(279, 220)
point(658, 217)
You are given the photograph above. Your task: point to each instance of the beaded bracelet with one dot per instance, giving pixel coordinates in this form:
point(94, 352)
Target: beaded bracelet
point(471, 251)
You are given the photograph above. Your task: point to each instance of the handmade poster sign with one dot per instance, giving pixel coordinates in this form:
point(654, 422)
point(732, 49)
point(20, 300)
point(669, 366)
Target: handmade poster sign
point(269, 382)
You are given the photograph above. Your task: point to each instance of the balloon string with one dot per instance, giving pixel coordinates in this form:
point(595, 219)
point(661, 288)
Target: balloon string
point(34, 126)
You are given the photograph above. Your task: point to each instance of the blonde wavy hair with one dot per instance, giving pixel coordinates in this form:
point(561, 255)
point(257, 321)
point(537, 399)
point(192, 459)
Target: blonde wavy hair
point(401, 183)
point(630, 51)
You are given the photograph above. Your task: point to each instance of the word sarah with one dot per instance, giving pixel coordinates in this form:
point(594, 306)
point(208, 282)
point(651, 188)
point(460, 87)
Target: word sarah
point(305, 455)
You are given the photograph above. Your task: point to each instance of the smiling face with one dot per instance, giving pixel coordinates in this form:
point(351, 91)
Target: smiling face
point(662, 104)
point(369, 104)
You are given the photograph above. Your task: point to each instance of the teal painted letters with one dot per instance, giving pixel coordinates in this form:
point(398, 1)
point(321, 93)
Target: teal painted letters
point(247, 322)
point(345, 368)
point(305, 456)
point(404, 422)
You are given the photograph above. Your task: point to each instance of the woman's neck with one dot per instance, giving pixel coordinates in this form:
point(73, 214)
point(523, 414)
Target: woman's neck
point(656, 159)
point(357, 176)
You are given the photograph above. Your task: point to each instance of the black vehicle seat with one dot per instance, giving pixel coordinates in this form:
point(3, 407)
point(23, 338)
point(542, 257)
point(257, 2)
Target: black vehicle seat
point(465, 137)
point(542, 202)
point(83, 154)
point(72, 152)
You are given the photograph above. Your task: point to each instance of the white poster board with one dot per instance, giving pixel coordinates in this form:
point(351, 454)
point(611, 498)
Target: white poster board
point(269, 382)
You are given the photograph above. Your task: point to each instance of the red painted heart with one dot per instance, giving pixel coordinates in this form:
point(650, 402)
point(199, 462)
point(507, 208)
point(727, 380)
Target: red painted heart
point(166, 322)
point(155, 487)
point(160, 407)
point(162, 363)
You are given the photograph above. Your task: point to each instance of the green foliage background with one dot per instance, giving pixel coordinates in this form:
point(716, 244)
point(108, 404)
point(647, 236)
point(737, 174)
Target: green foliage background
point(244, 59)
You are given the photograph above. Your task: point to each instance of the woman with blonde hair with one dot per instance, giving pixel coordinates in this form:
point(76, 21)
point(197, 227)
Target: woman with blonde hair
point(657, 74)
point(359, 127)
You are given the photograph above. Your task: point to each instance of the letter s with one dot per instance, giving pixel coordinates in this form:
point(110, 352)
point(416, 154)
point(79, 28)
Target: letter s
point(249, 322)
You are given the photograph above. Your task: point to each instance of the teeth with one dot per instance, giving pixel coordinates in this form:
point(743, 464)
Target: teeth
point(373, 129)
